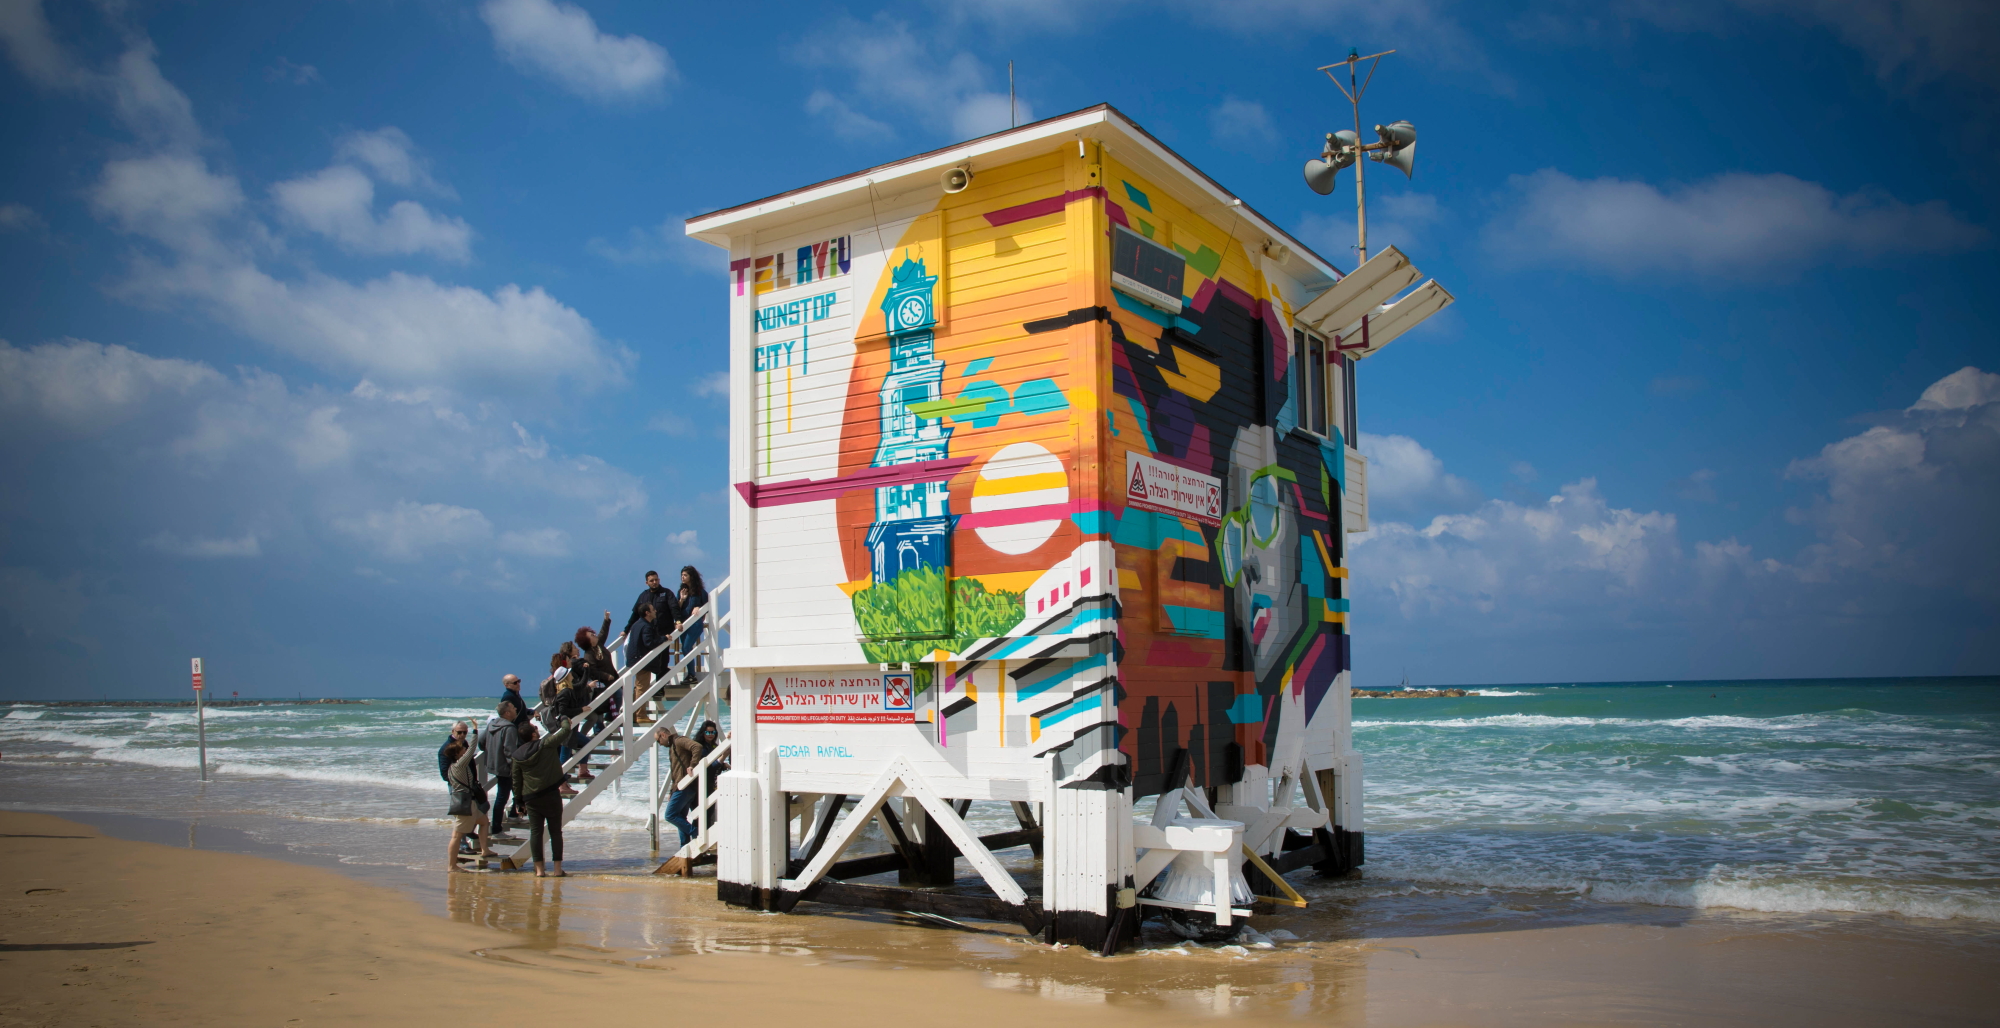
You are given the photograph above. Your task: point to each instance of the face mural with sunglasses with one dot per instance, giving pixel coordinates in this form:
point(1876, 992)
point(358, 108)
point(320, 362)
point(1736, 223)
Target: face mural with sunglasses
point(1258, 549)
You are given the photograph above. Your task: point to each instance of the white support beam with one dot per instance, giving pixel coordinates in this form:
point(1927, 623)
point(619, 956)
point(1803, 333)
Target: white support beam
point(844, 834)
point(961, 834)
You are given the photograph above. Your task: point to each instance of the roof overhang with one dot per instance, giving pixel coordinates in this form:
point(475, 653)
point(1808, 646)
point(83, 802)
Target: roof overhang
point(1102, 124)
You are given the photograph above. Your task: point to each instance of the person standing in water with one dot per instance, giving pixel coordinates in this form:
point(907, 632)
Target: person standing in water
point(468, 803)
point(496, 741)
point(538, 779)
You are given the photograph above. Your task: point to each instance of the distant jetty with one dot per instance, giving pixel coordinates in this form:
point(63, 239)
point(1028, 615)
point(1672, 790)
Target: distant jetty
point(1407, 694)
point(169, 703)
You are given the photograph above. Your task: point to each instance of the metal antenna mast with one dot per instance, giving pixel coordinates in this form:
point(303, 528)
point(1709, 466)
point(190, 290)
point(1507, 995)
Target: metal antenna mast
point(1353, 92)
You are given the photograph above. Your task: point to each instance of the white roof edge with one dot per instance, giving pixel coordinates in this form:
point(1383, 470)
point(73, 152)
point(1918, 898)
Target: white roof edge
point(715, 228)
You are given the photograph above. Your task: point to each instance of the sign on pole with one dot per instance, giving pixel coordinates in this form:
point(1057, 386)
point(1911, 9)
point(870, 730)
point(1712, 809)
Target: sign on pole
point(201, 721)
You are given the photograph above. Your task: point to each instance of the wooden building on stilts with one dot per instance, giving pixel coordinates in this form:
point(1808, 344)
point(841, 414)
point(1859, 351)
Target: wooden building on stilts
point(1043, 456)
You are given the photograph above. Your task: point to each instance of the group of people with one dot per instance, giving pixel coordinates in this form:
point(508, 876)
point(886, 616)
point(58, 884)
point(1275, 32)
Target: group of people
point(513, 758)
point(583, 666)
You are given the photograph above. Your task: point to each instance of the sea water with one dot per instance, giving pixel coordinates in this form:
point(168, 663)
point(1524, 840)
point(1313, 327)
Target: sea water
point(1873, 796)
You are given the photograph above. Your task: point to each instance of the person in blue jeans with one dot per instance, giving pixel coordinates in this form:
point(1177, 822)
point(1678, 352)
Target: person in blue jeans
point(693, 597)
point(684, 753)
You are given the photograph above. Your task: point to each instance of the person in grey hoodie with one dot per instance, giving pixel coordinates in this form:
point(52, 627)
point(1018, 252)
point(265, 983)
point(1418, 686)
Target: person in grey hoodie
point(496, 741)
point(537, 768)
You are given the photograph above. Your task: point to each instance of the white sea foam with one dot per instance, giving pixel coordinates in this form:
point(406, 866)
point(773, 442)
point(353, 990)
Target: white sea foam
point(1504, 692)
point(26, 713)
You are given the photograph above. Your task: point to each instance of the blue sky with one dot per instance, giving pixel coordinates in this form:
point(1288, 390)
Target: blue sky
point(356, 348)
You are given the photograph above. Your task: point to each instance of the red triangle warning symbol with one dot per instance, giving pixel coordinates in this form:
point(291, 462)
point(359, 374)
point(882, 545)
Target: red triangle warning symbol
point(1138, 487)
point(768, 699)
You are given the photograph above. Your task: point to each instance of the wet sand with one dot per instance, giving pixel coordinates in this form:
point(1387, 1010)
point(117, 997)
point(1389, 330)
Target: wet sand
point(99, 930)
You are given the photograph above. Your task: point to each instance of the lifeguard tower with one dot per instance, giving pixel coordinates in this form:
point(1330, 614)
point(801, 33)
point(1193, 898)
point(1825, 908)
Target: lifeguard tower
point(1042, 448)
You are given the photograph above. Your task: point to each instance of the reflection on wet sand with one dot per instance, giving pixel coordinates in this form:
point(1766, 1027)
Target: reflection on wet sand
point(641, 921)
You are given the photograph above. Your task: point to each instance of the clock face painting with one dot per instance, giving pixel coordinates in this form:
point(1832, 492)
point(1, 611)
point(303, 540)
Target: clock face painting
point(912, 312)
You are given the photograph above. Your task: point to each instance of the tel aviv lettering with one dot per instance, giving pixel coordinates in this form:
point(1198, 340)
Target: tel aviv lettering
point(813, 262)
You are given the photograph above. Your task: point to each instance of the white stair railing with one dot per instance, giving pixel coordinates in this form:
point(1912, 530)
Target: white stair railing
point(635, 740)
point(705, 837)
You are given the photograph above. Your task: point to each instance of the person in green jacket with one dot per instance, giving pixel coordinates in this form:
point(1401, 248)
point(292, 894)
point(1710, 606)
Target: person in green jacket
point(538, 780)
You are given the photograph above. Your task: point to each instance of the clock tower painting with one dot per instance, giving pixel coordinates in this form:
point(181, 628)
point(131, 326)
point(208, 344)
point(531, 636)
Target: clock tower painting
point(913, 522)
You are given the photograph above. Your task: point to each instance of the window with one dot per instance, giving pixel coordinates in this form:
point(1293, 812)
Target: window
point(1349, 419)
point(1337, 368)
point(1146, 269)
point(1311, 376)
point(1325, 389)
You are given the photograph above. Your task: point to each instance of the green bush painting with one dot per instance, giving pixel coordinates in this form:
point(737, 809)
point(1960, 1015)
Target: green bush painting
point(904, 619)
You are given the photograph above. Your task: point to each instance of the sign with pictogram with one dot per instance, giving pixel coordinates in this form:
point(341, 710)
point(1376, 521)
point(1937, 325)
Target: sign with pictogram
point(197, 674)
point(899, 692)
point(833, 699)
point(1153, 484)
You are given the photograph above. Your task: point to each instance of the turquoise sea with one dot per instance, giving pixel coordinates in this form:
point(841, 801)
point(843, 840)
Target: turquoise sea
point(1877, 796)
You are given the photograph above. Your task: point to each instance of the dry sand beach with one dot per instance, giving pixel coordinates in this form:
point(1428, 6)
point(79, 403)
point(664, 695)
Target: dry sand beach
point(108, 931)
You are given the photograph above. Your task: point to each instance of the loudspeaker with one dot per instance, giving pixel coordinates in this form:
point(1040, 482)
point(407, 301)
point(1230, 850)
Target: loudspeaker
point(1402, 139)
point(1319, 175)
point(956, 179)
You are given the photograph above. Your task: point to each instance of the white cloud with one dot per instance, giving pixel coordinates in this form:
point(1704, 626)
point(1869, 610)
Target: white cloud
point(148, 105)
point(1698, 486)
point(1732, 224)
point(405, 531)
point(172, 199)
point(667, 242)
point(713, 384)
point(895, 72)
point(1396, 217)
point(1915, 500)
point(1901, 555)
point(15, 217)
point(339, 203)
point(400, 327)
point(845, 121)
point(684, 545)
point(1568, 556)
point(1405, 479)
point(392, 157)
point(562, 42)
point(1912, 42)
point(86, 388)
point(296, 74)
point(206, 549)
point(540, 542)
point(1964, 389)
point(670, 423)
point(1243, 123)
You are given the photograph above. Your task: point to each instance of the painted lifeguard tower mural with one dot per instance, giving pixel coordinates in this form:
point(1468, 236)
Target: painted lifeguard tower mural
point(1043, 456)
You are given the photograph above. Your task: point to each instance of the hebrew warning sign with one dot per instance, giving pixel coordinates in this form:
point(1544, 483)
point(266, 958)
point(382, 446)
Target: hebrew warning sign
point(1159, 486)
point(859, 699)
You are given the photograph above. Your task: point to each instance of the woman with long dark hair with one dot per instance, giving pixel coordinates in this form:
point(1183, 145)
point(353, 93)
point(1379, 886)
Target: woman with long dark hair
point(693, 597)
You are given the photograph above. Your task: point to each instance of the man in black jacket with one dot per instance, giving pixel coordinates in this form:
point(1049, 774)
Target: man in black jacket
point(459, 733)
point(666, 612)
